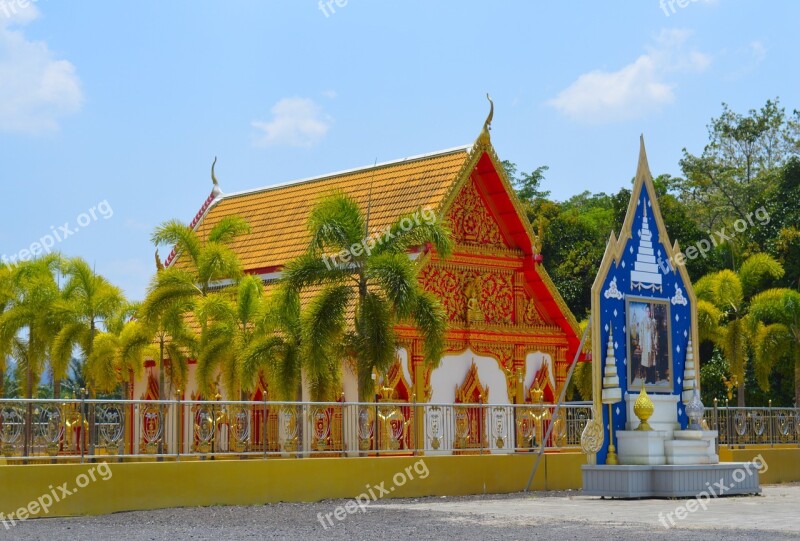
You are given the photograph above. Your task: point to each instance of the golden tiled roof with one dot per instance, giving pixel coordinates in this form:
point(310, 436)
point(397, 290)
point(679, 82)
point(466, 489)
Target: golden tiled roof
point(278, 215)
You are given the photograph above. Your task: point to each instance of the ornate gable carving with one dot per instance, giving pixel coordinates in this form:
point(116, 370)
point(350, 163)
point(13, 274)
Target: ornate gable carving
point(471, 391)
point(471, 221)
point(472, 296)
point(531, 316)
point(542, 389)
point(396, 380)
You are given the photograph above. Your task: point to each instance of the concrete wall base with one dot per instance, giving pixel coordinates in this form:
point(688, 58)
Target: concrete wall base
point(671, 481)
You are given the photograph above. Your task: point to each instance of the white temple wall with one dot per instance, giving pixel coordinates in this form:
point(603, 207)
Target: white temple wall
point(451, 374)
point(533, 363)
point(454, 368)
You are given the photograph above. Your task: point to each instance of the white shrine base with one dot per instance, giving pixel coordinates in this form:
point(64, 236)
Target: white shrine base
point(671, 481)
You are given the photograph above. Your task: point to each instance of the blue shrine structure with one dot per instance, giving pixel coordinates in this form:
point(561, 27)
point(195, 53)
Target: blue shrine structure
point(648, 437)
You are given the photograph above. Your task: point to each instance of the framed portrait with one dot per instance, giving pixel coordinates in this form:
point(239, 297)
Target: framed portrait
point(649, 344)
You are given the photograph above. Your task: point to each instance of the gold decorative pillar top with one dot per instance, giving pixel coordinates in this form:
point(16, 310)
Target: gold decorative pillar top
point(644, 408)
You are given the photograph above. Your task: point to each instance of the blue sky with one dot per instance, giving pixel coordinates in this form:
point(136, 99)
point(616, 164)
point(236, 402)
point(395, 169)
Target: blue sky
point(127, 103)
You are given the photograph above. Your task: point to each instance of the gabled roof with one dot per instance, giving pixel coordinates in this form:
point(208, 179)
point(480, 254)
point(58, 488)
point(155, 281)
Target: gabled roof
point(278, 214)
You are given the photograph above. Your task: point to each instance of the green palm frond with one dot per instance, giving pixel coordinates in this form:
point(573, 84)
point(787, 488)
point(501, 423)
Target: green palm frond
point(323, 382)
point(227, 229)
point(65, 341)
point(287, 372)
point(283, 311)
point(780, 305)
point(312, 269)
point(734, 341)
point(179, 364)
point(102, 365)
point(759, 271)
point(704, 288)
point(181, 236)
point(324, 320)
point(169, 288)
point(772, 343)
point(336, 222)
point(217, 262)
point(727, 290)
point(416, 229)
point(262, 354)
point(708, 320)
point(323, 326)
point(215, 354)
point(134, 343)
point(376, 343)
point(217, 307)
point(431, 320)
point(582, 380)
point(249, 298)
point(117, 321)
point(396, 276)
point(30, 307)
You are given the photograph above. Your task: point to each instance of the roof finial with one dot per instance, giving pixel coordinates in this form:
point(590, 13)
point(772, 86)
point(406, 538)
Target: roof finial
point(643, 168)
point(488, 124)
point(216, 191)
point(159, 264)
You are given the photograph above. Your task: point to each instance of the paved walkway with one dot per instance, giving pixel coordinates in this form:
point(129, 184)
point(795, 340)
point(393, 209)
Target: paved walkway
point(776, 510)
point(562, 516)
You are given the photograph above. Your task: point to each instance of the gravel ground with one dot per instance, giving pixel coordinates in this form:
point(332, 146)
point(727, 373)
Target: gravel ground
point(561, 516)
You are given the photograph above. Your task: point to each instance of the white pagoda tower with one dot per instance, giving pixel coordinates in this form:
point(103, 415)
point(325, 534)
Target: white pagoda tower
point(644, 274)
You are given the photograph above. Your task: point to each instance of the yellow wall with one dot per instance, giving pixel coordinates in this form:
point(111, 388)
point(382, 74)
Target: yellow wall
point(154, 485)
point(783, 463)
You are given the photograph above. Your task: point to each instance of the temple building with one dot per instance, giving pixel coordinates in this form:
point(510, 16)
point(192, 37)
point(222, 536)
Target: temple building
point(510, 337)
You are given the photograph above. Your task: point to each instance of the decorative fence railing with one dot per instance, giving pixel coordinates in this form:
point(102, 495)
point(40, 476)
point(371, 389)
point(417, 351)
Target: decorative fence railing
point(754, 426)
point(78, 430)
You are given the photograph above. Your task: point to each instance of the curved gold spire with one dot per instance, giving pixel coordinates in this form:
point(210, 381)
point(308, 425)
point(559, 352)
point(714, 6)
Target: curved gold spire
point(213, 175)
point(159, 264)
point(487, 126)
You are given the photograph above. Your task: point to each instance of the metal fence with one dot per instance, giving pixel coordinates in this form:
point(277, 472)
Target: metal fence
point(78, 430)
point(754, 426)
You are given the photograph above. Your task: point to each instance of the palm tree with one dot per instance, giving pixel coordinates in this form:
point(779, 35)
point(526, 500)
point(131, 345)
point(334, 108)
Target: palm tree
point(30, 313)
point(118, 354)
point(378, 286)
point(6, 296)
point(231, 316)
point(32, 292)
point(208, 261)
point(175, 340)
point(10, 387)
point(76, 379)
point(277, 352)
point(88, 300)
point(778, 334)
point(723, 317)
point(174, 292)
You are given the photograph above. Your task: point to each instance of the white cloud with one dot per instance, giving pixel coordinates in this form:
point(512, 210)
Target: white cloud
point(135, 225)
point(37, 89)
point(635, 90)
point(757, 51)
point(295, 122)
